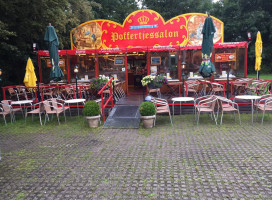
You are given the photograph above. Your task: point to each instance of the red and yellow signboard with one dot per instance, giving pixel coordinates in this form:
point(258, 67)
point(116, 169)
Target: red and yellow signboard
point(143, 28)
point(225, 57)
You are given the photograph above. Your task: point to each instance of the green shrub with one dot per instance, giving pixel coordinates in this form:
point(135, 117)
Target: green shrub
point(147, 109)
point(91, 108)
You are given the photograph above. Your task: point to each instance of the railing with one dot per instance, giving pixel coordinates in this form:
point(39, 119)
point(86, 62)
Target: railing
point(56, 90)
point(110, 99)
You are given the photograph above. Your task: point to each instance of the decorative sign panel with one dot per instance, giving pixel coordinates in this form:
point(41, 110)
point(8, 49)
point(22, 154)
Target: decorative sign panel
point(143, 28)
point(225, 57)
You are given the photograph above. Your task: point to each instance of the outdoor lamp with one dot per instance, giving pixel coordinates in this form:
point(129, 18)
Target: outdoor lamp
point(249, 36)
point(34, 47)
point(0, 84)
point(76, 71)
point(183, 65)
point(0, 76)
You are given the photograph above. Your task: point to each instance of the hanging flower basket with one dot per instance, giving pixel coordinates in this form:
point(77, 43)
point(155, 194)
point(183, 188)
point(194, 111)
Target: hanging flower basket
point(154, 82)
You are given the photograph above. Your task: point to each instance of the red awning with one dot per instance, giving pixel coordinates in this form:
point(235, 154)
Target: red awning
point(143, 49)
point(81, 52)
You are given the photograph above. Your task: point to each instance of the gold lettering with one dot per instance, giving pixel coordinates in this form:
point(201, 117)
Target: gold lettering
point(114, 36)
point(136, 36)
point(157, 35)
point(170, 34)
point(131, 36)
point(165, 33)
point(161, 35)
point(152, 35)
point(120, 37)
point(147, 35)
point(140, 36)
point(128, 35)
point(125, 35)
point(176, 34)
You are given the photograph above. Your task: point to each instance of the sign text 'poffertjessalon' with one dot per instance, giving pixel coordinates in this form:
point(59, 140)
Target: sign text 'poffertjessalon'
point(143, 28)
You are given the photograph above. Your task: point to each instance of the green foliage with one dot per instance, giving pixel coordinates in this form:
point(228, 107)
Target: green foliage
point(91, 108)
point(19, 30)
point(171, 8)
point(147, 109)
point(115, 10)
point(98, 83)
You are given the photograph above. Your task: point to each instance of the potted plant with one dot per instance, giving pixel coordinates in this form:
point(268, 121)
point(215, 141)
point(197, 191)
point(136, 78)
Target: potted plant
point(91, 110)
point(147, 111)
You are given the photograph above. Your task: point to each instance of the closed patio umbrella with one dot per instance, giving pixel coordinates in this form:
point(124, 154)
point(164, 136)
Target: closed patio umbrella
point(30, 76)
point(258, 53)
point(51, 37)
point(207, 68)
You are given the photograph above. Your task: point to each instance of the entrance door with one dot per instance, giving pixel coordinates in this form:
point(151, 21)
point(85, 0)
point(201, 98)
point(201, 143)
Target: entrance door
point(137, 69)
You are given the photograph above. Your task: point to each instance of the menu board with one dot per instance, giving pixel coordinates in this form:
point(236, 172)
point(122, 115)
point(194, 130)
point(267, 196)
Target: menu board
point(225, 57)
point(155, 60)
point(118, 61)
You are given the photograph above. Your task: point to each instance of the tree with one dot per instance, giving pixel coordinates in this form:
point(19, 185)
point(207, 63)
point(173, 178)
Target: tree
point(24, 22)
point(171, 8)
point(244, 16)
point(115, 10)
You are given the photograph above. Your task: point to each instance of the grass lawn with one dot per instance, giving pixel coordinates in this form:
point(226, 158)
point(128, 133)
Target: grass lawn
point(262, 76)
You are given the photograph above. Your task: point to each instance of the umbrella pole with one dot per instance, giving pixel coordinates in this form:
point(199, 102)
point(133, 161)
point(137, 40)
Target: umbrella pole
point(38, 92)
point(228, 82)
point(257, 74)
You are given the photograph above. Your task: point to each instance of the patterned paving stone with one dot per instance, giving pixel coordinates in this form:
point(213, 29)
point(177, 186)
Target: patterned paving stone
point(180, 162)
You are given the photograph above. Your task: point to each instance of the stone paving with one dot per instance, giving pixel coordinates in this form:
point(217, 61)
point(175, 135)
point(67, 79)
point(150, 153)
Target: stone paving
point(180, 162)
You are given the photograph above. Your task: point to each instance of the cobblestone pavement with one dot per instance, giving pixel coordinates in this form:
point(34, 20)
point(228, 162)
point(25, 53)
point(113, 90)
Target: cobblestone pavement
point(183, 162)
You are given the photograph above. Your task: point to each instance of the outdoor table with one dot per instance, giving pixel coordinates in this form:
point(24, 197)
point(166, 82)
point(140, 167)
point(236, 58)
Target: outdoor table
point(73, 101)
point(222, 79)
point(22, 102)
point(249, 97)
point(180, 99)
point(196, 77)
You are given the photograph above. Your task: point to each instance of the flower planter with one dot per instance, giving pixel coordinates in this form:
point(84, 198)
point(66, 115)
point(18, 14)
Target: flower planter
point(93, 121)
point(148, 121)
point(153, 86)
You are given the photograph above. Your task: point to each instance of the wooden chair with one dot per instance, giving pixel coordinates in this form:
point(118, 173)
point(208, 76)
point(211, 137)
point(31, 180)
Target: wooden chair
point(161, 106)
point(51, 110)
point(226, 105)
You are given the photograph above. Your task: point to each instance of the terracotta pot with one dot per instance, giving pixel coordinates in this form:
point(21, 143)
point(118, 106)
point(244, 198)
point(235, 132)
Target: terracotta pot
point(148, 121)
point(93, 121)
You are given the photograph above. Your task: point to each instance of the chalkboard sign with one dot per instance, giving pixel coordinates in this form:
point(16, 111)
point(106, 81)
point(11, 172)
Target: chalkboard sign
point(118, 61)
point(155, 60)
